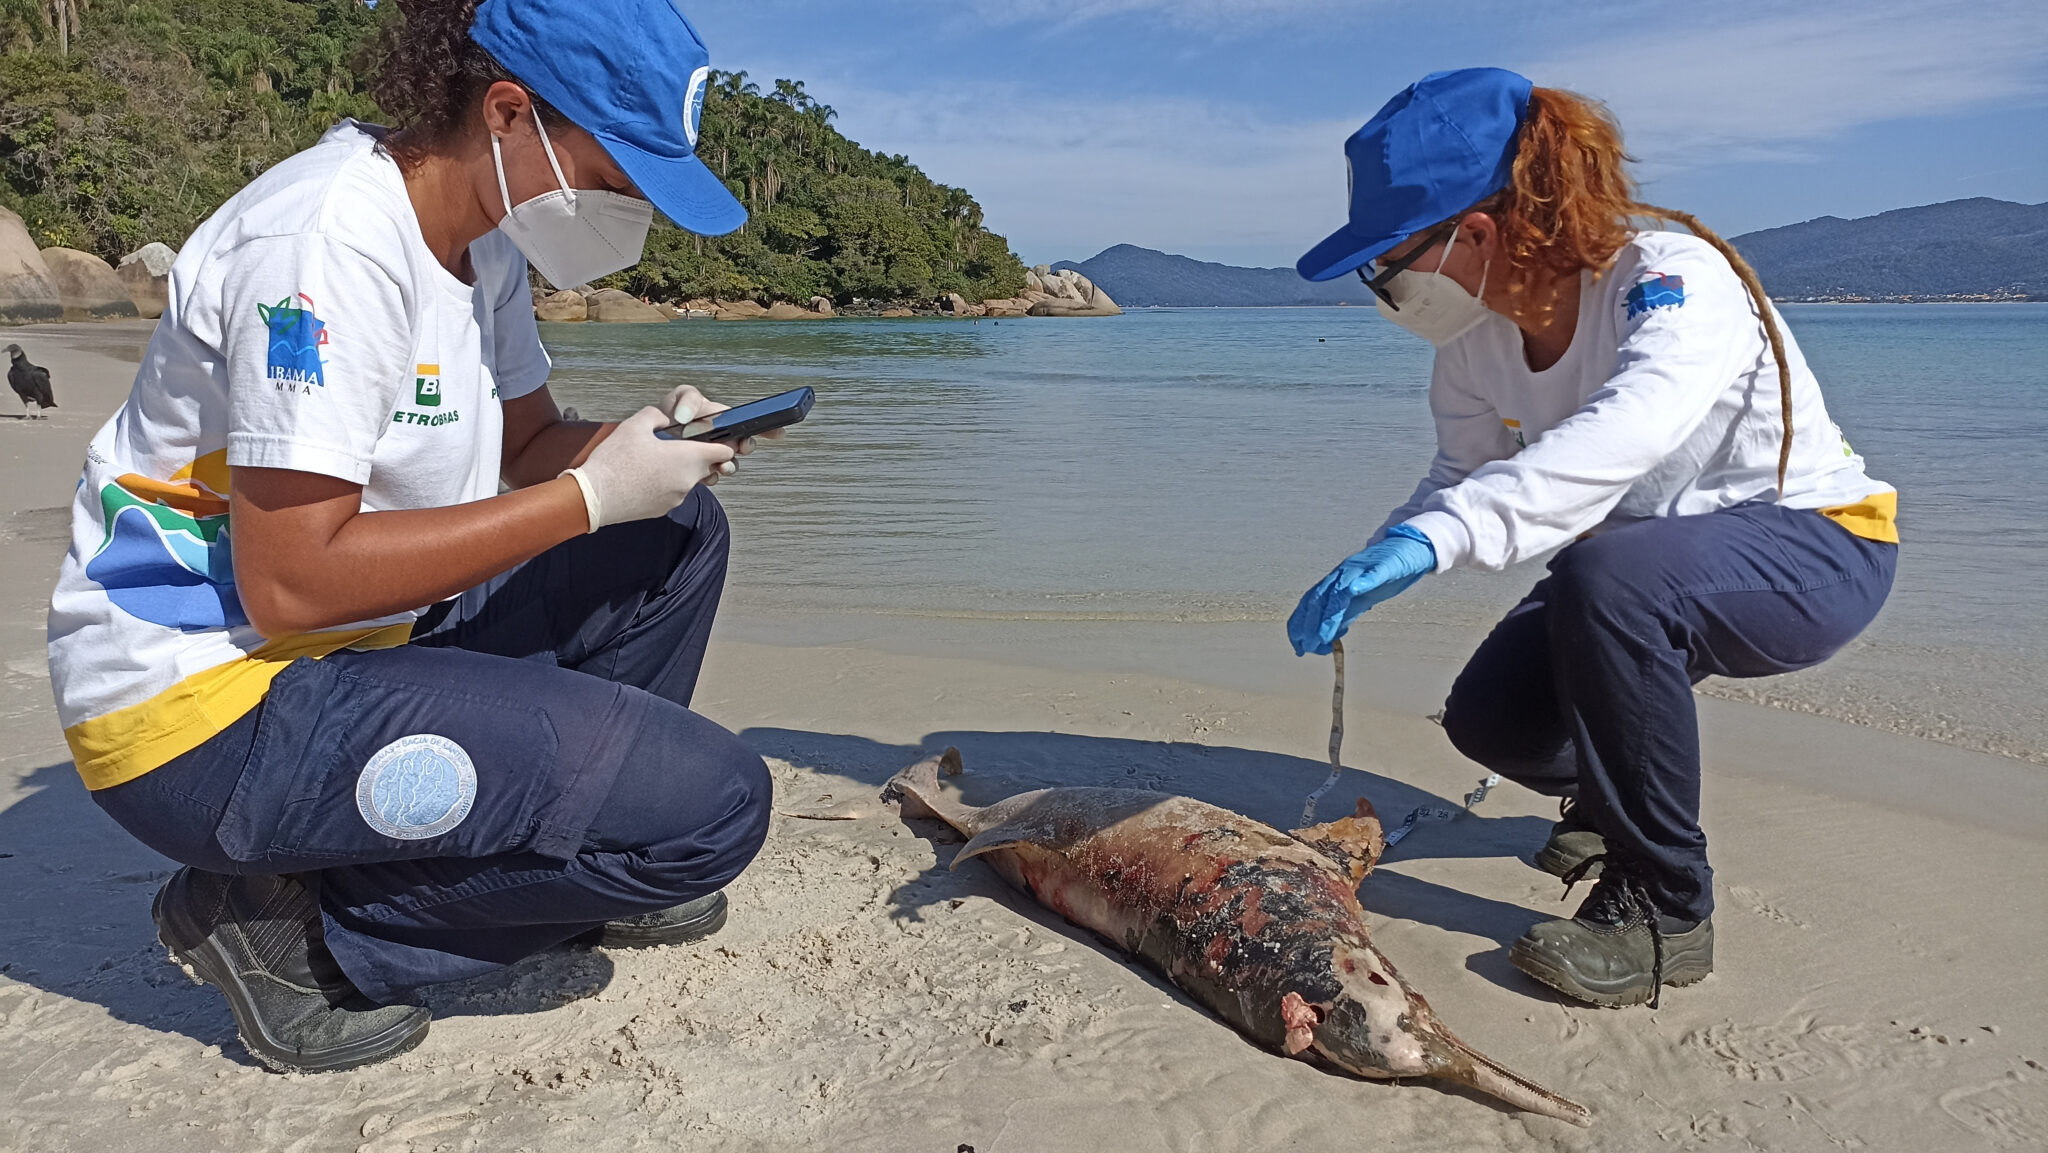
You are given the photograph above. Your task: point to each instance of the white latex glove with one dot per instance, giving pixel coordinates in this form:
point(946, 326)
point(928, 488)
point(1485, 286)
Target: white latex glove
point(685, 404)
point(633, 474)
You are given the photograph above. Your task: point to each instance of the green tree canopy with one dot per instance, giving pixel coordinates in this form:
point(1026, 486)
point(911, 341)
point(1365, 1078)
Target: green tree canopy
point(127, 121)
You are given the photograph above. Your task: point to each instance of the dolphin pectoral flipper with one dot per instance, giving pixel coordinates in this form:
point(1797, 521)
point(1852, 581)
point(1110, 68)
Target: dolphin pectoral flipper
point(993, 840)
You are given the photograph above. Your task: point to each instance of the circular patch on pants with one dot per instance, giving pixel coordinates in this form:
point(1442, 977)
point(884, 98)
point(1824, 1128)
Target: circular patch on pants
point(416, 787)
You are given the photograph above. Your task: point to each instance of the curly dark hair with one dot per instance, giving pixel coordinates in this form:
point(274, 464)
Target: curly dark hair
point(427, 75)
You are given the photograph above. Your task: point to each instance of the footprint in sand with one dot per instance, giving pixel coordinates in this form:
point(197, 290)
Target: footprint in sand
point(1802, 1049)
point(1756, 902)
point(2012, 1112)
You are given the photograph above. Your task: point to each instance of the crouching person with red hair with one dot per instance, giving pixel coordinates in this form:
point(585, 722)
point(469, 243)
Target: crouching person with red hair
point(1627, 396)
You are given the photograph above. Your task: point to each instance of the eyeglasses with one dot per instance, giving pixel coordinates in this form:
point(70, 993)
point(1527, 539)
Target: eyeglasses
point(1378, 282)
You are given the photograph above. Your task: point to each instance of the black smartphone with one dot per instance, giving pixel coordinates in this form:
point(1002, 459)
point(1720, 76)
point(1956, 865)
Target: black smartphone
point(749, 419)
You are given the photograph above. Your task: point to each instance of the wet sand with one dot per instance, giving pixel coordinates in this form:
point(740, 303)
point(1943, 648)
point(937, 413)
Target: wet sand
point(1880, 922)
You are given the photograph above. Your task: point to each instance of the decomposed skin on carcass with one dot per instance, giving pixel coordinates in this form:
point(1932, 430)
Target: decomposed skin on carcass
point(1262, 927)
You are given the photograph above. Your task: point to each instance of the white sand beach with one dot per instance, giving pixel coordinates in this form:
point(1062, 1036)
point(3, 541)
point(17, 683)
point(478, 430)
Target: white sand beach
point(1881, 923)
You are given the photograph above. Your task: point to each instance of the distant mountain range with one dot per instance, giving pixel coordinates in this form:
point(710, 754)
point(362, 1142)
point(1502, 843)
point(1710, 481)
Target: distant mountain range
point(1958, 249)
point(1978, 247)
point(1142, 278)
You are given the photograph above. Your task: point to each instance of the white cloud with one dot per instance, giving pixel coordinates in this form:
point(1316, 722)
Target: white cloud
point(1768, 88)
point(1066, 176)
point(1204, 14)
point(1065, 173)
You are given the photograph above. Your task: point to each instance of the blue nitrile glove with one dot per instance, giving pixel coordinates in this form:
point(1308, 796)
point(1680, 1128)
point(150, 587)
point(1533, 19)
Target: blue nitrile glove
point(1381, 572)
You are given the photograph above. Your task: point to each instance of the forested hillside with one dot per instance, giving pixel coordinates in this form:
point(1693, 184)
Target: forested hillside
point(1959, 248)
point(127, 121)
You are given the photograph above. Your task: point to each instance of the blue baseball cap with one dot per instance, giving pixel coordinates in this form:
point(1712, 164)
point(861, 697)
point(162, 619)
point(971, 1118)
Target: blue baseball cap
point(631, 73)
point(1437, 149)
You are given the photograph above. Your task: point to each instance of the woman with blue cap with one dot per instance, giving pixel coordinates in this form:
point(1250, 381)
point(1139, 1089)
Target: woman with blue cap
point(1631, 396)
point(398, 726)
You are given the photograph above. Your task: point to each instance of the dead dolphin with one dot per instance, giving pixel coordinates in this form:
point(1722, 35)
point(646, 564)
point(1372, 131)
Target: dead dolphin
point(1262, 927)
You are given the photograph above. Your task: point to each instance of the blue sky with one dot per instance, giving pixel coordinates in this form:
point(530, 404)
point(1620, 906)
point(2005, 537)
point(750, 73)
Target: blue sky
point(1214, 128)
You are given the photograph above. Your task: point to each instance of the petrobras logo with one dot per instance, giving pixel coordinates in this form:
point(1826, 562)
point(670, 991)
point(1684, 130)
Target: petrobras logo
point(165, 556)
point(296, 338)
point(693, 106)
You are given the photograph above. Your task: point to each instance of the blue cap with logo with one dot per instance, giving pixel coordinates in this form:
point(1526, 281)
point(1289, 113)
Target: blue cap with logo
point(632, 73)
point(1437, 149)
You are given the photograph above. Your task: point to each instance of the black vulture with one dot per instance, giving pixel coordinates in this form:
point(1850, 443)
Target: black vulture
point(30, 382)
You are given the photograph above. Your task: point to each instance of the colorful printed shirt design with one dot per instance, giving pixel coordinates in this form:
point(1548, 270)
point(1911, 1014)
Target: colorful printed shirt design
point(392, 384)
point(163, 557)
point(1658, 291)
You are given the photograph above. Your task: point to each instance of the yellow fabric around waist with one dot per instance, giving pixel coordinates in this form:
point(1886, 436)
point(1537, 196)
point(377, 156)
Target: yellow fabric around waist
point(1872, 518)
point(126, 743)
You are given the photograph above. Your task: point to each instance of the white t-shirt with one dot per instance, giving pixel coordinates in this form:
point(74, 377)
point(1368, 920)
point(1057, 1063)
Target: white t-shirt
point(1666, 404)
point(309, 328)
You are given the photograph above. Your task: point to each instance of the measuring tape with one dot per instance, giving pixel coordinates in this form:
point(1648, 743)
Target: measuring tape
point(1421, 812)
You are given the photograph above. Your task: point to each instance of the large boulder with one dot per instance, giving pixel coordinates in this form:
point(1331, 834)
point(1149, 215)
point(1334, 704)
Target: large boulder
point(784, 310)
point(821, 306)
point(146, 274)
point(88, 286)
point(1097, 303)
point(28, 293)
point(1013, 306)
point(613, 306)
point(737, 310)
point(565, 306)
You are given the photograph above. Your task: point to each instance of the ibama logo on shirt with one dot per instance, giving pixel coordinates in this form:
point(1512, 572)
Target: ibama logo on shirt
point(296, 338)
point(1657, 290)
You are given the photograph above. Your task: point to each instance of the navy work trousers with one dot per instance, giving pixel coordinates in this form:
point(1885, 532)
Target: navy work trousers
point(1584, 689)
point(525, 770)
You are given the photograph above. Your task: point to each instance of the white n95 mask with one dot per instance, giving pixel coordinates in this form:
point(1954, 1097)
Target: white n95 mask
point(573, 235)
point(1432, 305)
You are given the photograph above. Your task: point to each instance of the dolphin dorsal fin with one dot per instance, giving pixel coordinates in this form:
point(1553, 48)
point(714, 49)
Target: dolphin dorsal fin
point(1354, 843)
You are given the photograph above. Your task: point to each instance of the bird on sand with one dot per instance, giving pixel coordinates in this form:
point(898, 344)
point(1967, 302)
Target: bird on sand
point(31, 382)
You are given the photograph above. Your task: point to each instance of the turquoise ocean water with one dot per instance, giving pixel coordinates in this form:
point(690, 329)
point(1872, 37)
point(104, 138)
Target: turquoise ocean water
point(1208, 465)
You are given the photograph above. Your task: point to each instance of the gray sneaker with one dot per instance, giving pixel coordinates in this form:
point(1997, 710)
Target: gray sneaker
point(681, 924)
point(1618, 949)
point(258, 940)
point(1573, 840)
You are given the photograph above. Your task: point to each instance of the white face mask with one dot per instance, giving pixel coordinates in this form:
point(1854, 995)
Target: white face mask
point(1432, 305)
point(572, 236)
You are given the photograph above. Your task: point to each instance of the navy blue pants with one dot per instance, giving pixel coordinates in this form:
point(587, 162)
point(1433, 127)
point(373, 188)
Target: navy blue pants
point(1585, 688)
point(525, 770)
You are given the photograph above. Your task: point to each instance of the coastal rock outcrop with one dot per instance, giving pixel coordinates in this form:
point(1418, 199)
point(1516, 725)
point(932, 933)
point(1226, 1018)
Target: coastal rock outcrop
point(783, 310)
point(737, 310)
point(613, 306)
point(87, 285)
point(1065, 293)
point(564, 306)
point(27, 291)
point(146, 274)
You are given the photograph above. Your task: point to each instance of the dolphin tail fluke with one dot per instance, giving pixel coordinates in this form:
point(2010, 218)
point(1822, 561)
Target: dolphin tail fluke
point(917, 789)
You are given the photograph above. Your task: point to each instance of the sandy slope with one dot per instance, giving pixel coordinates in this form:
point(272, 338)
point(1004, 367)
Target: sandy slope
point(1879, 982)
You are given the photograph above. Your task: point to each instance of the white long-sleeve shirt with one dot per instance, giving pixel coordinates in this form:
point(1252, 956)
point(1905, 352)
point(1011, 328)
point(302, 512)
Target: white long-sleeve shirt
point(1665, 404)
